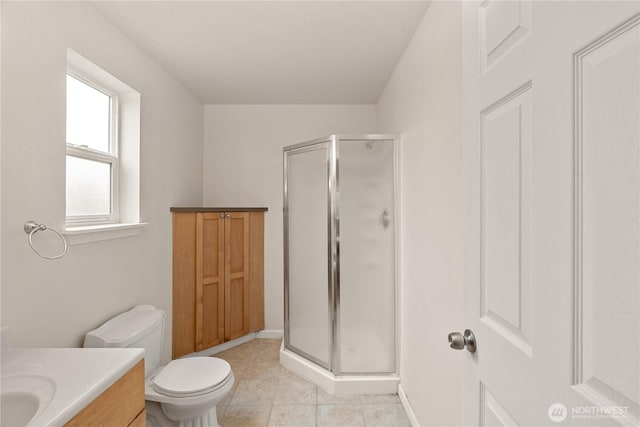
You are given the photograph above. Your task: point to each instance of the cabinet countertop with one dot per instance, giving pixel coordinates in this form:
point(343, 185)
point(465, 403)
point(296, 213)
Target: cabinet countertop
point(216, 209)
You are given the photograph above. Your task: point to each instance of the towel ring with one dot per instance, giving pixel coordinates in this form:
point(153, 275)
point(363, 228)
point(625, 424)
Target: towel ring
point(31, 228)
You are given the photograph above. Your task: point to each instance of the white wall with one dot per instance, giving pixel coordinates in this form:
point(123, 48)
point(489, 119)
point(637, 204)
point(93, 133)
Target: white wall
point(53, 303)
point(422, 101)
point(243, 166)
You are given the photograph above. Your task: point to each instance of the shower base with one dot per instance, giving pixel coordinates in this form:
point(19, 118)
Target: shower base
point(344, 384)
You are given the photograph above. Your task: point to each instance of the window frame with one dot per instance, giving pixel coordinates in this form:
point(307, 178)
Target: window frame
point(111, 158)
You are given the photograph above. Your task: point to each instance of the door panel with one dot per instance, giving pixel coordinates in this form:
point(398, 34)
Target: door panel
point(236, 274)
point(209, 280)
point(552, 185)
point(212, 247)
point(492, 413)
point(502, 25)
point(237, 225)
point(236, 315)
point(212, 316)
point(505, 297)
point(608, 76)
point(307, 253)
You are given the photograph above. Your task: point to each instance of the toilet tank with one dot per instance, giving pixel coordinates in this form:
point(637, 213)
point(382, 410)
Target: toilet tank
point(140, 327)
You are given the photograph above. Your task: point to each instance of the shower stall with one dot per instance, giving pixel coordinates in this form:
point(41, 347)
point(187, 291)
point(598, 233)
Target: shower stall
point(339, 262)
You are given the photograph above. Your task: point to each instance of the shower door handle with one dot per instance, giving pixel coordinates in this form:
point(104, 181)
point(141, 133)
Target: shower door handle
point(384, 219)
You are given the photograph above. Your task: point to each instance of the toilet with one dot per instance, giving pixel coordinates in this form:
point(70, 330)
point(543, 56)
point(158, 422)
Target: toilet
point(183, 393)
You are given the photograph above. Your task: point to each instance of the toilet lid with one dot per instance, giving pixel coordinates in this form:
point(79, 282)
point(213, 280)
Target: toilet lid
point(191, 376)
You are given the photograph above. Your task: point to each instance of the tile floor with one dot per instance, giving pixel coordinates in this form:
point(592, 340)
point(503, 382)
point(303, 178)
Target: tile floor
point(266, 394)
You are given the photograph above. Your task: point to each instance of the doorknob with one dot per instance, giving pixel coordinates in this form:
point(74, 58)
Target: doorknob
point(458, 341)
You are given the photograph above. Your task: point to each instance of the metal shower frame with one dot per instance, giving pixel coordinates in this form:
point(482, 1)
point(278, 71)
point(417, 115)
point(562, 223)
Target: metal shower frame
point(330, 144)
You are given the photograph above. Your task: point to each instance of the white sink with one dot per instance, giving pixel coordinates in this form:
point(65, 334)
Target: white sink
point(18, 408)
point(23, 397)
point(47, 387)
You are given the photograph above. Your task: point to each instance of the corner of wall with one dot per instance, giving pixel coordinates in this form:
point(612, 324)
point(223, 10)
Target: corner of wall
point(422, 102)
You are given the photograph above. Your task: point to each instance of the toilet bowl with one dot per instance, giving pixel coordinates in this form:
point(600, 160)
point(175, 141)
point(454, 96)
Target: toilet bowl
point(187, 387)
point(183, 393)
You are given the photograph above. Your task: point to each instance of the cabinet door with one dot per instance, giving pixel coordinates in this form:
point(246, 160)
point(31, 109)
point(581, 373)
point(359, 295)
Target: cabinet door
point(210, 272)
point(236, 274)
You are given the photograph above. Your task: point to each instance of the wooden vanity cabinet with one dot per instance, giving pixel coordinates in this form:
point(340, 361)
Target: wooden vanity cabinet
point(121, 405)
point(218, 276)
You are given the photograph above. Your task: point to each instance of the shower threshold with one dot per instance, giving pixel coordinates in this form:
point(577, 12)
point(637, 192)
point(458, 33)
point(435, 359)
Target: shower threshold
point(344, 384)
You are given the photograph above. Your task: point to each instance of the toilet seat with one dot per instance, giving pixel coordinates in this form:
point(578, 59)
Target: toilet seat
point(193, 376)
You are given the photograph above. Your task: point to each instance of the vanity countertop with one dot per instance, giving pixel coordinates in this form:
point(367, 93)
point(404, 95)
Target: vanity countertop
point(216, 209)
point(77, 375)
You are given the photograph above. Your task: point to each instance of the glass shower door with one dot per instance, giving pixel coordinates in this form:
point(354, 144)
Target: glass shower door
point(367, 326)
point(307, 252)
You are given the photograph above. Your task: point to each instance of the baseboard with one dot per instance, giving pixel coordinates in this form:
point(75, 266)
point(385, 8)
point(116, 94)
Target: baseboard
point(407, 407)
point(224, 346)
point(265, 333)
point(270, 333)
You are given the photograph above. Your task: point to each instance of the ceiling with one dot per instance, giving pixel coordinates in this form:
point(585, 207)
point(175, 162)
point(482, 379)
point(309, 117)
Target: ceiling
point(273, 52)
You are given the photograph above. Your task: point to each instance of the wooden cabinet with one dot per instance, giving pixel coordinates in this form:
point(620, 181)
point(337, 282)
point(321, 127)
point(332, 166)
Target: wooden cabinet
point(218, 276)
point(122, 404)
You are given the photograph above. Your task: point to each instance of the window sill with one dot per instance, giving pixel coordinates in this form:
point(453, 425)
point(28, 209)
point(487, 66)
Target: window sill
point(96, 233)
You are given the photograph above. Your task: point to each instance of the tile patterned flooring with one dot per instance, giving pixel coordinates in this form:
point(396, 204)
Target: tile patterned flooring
point(266, 394)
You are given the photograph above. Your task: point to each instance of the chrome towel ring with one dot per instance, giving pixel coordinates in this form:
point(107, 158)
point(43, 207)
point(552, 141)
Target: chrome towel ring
point(32, 227)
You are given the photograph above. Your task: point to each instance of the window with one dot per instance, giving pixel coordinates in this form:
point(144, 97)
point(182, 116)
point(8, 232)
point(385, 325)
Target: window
point(92, 153)
point(103, 154)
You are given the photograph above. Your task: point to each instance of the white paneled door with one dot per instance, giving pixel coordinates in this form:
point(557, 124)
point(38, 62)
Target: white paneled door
point(552, 178)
